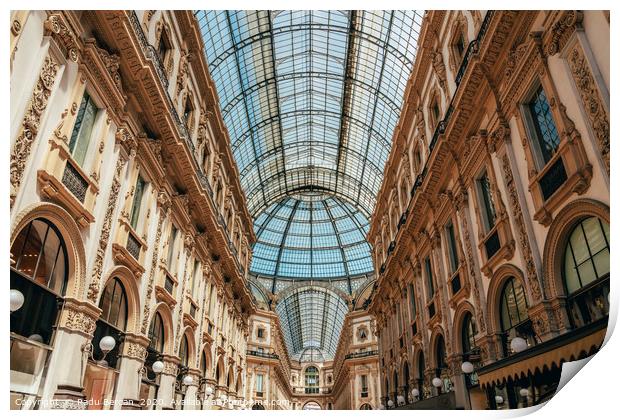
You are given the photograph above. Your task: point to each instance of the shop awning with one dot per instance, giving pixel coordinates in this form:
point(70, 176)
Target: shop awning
point(550, 354)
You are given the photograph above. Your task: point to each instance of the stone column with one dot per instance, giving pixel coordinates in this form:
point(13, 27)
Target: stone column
point(130, 372)
point(166, 382)
point(191, 393)
point(68, 361)
point(458, 381)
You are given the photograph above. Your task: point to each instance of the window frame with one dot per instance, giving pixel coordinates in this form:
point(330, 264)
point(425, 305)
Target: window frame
point(75, 139)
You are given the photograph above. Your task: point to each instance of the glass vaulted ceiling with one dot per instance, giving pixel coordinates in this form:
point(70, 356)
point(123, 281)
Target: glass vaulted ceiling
point(310, 100)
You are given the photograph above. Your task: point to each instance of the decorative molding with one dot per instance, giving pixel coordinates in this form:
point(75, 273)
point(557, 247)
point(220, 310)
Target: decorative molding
point(79, 317)
point(95, 283)
point(164, 202)
point(524, 242)
point(57, 27)
point(592, 101)
point(558, 35)
point(31, 123)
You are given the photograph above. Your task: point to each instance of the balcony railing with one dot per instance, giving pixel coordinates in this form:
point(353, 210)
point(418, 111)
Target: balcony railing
point(361, 354)
point(263, 354)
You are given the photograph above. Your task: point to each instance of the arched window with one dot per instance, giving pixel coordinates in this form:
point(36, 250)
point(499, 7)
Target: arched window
point(113, 304)
point(156, 333)
point(112, 321)
point(203, 363)
point(420, 378)
point(312, 380)
point(184, 351)
point(366, 406)
point(586, 271)
point(440, 353)
point(514, 319)
point(98, 380)
point(468, 333)
point(406, 381)
point(39, 270)
point(468, 344)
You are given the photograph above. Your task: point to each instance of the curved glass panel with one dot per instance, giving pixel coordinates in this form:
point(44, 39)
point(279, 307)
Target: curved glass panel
point(312, 317)
point(310, 98)
point(312, 237)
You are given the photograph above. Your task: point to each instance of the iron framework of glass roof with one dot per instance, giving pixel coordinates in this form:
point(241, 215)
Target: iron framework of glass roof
point(310, 100)
point(311, 237)
point(312, 319)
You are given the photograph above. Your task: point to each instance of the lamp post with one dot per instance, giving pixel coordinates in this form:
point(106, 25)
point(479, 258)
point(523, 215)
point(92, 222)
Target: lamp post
point(415, 394)
point(499, 400)
point(390, 404)
point(468, 368)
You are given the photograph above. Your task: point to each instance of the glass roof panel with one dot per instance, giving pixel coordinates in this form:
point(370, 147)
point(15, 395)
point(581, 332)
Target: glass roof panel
point(310, 98)
point(312, 318)
point(308, 238)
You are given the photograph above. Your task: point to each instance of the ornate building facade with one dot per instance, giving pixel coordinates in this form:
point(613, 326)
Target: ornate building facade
point(495, 200)
point(171, 250)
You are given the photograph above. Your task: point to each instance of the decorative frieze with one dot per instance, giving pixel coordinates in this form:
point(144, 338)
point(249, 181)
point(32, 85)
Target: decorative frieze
point(57, 27)
point(591, 99)
point(163, 201)
point(526, 250)
point(79, 317)
point(31, 123)
point(104, 238)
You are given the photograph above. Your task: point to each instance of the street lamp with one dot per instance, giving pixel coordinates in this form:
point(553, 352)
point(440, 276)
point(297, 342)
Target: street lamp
point(437, 383)
point(518, 344)
point(499, 400)
point(157, 367)
point(17, 299)
point(106, 344)
point(415, 393)
point(400, 400)
point(188, 380)
point(390, 403)
point(467, 367)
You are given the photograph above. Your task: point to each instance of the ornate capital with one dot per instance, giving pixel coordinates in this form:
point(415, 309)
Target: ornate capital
point(57, 27)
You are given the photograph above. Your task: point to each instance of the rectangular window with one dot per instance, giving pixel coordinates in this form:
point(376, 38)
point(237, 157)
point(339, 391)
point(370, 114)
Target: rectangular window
point(260, 333)
point(173, 236)
point(430, 287)
point(412, 306)
point(259, 383)
point(545, 131)
point(454, 259)
point(83, 128)
point(194, 274)
point(137, 202)
point(364, 383)
point(487, 204)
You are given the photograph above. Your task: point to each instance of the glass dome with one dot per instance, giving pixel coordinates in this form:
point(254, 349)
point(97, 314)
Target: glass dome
point(311, 236)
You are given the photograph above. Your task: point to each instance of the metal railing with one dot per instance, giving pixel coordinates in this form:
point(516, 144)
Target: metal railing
point(262, 354)
point(361, 354)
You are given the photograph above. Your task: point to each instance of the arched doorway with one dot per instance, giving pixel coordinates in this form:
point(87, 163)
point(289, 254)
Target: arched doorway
point(311, 405)
point(366, 406)
point(100, 376)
